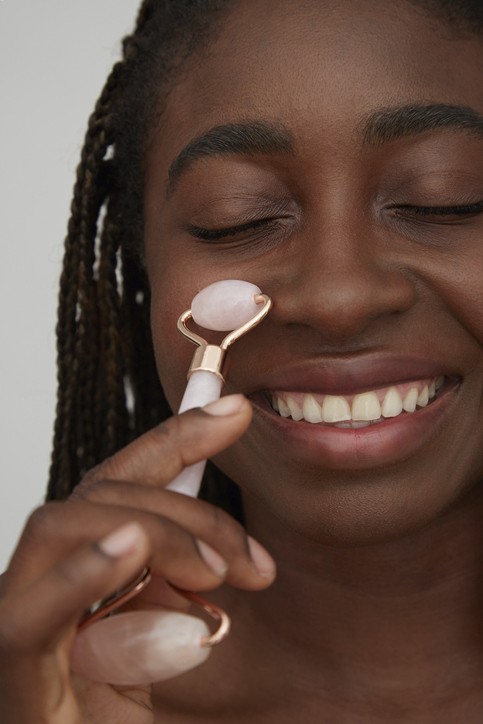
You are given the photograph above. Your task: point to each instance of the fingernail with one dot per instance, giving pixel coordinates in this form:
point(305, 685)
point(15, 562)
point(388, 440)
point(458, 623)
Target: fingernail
point(263, 561)
point(212, 558)
point(122, 541)
point(225, 405)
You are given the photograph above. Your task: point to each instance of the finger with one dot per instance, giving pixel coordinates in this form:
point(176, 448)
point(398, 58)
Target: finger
point(159, 455)
point(62, 593)
point(203, 520)
point(55, 530)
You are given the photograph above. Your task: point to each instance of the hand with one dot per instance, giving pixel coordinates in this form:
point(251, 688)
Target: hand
point(119, 519)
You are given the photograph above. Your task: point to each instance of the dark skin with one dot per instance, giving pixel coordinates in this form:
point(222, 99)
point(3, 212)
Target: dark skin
point(60, 567)
point(374, 616)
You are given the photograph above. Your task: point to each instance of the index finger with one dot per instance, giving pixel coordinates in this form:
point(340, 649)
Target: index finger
point(159, 455)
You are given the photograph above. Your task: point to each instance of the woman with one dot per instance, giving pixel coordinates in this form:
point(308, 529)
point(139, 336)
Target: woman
point(332, 154)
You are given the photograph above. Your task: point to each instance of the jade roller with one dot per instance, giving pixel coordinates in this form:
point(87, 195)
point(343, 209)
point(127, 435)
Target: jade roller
point(142, 647)
point(227, 306)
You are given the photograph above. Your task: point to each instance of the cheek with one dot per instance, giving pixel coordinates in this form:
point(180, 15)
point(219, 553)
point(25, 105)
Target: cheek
point(450, 278)
point(459, 284)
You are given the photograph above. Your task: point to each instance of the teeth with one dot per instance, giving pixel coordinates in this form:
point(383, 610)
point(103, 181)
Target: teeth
point(392, 405)
point(335, 409)
point(312, 411)
point(283, 407)
point(295, 409)
point(366, 406)
point(409, 404)
point(423, 397)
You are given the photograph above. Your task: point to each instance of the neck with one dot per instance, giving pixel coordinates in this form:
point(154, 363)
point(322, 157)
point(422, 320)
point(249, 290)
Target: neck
point(400, 616)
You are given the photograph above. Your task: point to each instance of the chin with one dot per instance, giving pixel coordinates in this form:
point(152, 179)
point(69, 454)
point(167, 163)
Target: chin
point(359, 508)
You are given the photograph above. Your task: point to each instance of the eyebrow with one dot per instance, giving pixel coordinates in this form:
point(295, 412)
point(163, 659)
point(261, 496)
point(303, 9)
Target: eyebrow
point(379, 127)
point(391, 124)
point(248, 137)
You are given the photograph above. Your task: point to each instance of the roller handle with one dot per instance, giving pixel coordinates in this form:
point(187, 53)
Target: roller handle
point(202, 388)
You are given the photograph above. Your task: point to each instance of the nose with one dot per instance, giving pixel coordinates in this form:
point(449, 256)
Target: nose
point(342, 288)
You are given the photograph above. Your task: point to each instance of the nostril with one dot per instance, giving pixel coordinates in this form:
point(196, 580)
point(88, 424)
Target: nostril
point(343, 303)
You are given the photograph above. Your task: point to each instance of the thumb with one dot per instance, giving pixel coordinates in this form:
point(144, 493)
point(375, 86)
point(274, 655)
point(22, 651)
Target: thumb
point(161, 454)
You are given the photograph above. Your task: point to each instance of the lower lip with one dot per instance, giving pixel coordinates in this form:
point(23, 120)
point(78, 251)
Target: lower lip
point(386, 443)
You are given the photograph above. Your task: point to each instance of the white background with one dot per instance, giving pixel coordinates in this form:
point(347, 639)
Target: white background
point(55, 56)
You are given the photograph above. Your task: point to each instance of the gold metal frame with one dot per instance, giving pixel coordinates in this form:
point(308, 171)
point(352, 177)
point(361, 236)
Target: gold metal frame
point(210, 357)
point(105, 606)
point(108, 605)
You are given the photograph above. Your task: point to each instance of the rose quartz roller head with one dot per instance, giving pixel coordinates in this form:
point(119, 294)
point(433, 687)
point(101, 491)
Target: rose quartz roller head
point(142, 647)
point(227, 306)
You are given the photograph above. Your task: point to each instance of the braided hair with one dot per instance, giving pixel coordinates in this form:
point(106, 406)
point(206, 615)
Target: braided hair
point(108, 388)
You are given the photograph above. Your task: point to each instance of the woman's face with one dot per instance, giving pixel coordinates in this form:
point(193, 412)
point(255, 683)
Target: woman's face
point(358, 193)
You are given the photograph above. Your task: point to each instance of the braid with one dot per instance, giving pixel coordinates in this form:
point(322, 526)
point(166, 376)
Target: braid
point(108, 388)
point(89, 358)
point(77, 315)
point(110, 395)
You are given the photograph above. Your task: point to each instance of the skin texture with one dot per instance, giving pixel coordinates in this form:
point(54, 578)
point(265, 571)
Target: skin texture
point(375, 614)
point(384, 548)
point(333, 300)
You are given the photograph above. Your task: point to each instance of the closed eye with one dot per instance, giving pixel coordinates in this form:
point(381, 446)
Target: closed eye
point(443, 211)
point(218, 234)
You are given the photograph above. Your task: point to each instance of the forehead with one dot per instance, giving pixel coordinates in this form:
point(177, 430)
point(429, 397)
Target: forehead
point(296, 61)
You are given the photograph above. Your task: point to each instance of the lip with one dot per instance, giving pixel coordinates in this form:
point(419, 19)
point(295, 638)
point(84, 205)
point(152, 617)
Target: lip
point(388, 443)
point(349, 376)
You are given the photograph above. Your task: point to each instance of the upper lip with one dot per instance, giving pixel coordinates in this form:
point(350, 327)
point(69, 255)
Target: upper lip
point(339, 376)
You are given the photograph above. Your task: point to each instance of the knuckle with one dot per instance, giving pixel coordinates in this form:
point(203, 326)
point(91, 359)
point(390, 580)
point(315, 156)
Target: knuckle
point(116, 466)
point(105, 491)
point(162, 447)
point(82, 489)
point(92, 475)
point(95, 490)
point(217, 519)
point(42, 521)
point(167, 440)
point(12, 636)
point(170, 431)
point(134, 462)
point(69, 574)
point(167, 436)
point(228, 530)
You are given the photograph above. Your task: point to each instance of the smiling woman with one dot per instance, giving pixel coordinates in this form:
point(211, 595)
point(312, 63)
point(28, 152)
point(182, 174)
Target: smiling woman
point(331, 154)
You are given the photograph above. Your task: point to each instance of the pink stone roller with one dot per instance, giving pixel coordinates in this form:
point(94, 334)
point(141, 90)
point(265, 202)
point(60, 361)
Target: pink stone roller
point(227, 306)
point(142, 647)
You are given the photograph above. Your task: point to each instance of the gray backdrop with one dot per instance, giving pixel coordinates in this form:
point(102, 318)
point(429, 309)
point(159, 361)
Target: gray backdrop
point(55, 56)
